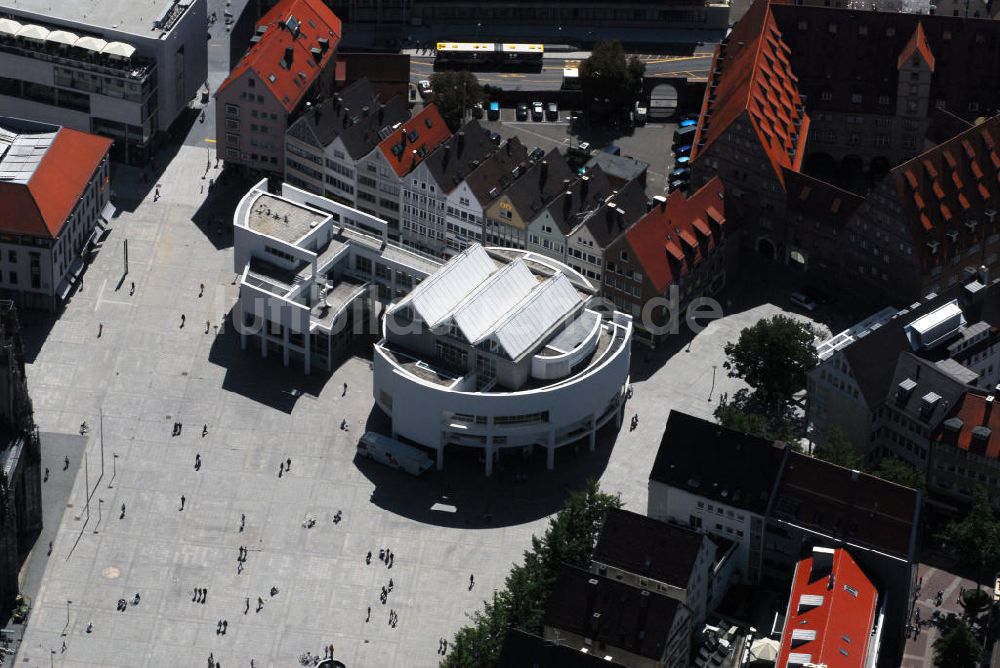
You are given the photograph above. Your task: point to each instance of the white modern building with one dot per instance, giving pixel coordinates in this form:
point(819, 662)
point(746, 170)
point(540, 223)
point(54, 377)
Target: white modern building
point(313, 274)
point(54, 192)
point(500, 349)
point(122, 69)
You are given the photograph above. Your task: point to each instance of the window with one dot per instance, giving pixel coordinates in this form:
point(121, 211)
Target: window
point(826, 96)
point(12, 256)
point(883, 100)
point(13, 278)
point(856, 98)
point(232, 110)
point(232, 138)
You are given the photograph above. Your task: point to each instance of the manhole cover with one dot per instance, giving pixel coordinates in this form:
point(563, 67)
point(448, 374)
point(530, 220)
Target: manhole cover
point(111, 572)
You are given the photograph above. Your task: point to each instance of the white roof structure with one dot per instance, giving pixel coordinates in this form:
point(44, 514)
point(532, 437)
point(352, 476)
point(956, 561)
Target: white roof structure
point(120, 49)
point(62, 37)
point(531, 319)
point(91, 43)
point(9, 27)
point(435, 298)
point(22, 147)
point(489, 302)
point(32, 31)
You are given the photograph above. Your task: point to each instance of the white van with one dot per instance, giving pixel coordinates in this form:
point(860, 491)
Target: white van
point(391, 452)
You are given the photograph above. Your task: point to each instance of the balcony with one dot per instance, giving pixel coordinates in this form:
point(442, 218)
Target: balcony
point(135, 69)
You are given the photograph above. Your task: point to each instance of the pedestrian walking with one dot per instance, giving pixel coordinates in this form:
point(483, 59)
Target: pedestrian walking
point(274, 592)
point(208, 326)
point(243, 522)
point(247, 608)
point(122, 516)
point(183, 318)
point(65, 463)
point(197, 462)
point(131, 290)
point(369, 614)
point(344, 393)
point(46, 478)
point(381, 555)
point(368, 557)
point(472, 581)
point(281, 469)
point(390, 584)
point(100, 329)
point(204, 430)
point(201, 290)
point(260, 604)
point(182, 501)
point(288, 464)
point(204, 595)
point(392, 559)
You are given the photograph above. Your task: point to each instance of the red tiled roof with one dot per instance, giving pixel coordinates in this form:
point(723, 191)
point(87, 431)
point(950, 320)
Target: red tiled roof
point(974, 410)
point(288, 84)
point(917, 44)
point(40, 207)
point(670, 227)
point(415, 139)
point(945, 185)
point(755, 78)
point(835, 627)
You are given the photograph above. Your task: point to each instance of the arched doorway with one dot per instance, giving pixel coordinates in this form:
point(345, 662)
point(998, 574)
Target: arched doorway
point(766, 248)
point(820, 165)
point(851, 174)
point(878, 168)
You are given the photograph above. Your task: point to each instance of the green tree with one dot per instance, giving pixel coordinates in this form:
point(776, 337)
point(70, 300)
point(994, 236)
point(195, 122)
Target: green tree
point(838, 449)
point(455, 92)
point(896, 470)
point(739, 413)
point(610, 80)
point(569, 538)
point(976, 537)
point(957, 648)
point(773, 357)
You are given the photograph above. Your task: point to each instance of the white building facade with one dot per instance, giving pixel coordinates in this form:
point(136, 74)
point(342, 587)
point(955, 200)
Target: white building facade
point(122, 70)
point(500, 350)
point(313, 275)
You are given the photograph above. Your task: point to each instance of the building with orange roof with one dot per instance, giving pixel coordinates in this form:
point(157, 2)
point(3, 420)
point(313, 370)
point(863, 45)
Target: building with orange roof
point(965, 449)
point(54, 188)
point(681, 249)
point(833, 617)
point(381, 173)
point(290, 65)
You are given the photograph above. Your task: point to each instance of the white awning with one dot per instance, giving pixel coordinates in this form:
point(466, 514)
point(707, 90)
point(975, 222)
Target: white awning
point(91, 43)
point(62, 37)
point(9, 27)
point(32, 31)
point(120, 49)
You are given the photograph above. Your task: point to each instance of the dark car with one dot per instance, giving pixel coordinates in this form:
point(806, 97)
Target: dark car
point(816, 294)
point(536, 154)
point(522, 112)
point(677, 184)
point(682, 160)
point(493, 111)
point(681, 173)
point(683, 150)
point(494, 137)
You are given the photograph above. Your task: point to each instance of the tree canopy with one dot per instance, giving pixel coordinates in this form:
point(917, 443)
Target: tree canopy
point(957, 647)
point(454, 92)
point(976, 537)
point(896, 470)
point(741, 414)
point(611, 81)
point(838, 449)
point(773, 357)
point(569, 538)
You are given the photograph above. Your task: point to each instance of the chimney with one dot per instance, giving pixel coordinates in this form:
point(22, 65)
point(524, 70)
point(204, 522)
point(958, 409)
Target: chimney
point(402, 139)
point(364, 112)
point(584, 184)
point(620, 216)
point(984, 275)
point(461, 141)
point(316, 53)
point(324, 44)
point(381, 112)
point(822, 563)
point(567, 202)
point(289, 56)
point(988, 409)
point(543, 172)
point(661, 201)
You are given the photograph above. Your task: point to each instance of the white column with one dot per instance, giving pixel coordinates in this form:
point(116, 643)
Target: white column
point(550, 454)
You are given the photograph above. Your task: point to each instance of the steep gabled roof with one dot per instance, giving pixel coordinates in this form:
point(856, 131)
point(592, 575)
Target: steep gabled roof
point(656, 240)
point(820, 200)
point(973, 426)
point(917, 45)
point(617, 214)
point(452, 161)
point(950, 185)
point(542, 183)
point(410, 145)
point(38, 202)
point(298, 25)
point(580, 197)
point(831, 612)
point(648, 547)
point(497, 171)
point(752, 77)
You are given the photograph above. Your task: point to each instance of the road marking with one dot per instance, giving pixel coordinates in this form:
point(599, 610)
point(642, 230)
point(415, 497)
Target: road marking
point(100, 292)
point(210, 141)
point(423, 64)
point(511, 76)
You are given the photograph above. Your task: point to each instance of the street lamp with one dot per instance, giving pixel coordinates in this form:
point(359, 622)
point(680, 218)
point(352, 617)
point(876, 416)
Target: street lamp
point(114, 469)
point(713, 384)
point(100, 504)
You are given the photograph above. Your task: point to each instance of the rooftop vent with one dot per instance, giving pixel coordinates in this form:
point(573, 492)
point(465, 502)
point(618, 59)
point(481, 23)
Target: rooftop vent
point(927, 404)
point(809, 601)
point(904, 389)
point(822, 563)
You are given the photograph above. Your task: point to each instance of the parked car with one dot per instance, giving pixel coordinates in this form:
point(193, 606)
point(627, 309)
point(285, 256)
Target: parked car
point(685, 133)
point(816, 294)
point(494, 137)
point(688, 120)
point(682, 150)
point(537, 111)
point(424, 87)
point(612, 149)
point(536, 154)
point(682, 160)
point(522, 112)
point(677, 184)
point(802, 301)
point(493, 113)
point(681, 173)
point(552, 111)
point(585, 146)
point(412, 90)
point(477, 110)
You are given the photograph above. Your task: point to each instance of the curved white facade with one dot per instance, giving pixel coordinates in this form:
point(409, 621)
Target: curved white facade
point(556, 406)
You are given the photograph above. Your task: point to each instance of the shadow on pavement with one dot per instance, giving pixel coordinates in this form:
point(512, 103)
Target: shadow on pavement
point(35, 328)
point(266, 381)
point(461, 496)
point(215, 215)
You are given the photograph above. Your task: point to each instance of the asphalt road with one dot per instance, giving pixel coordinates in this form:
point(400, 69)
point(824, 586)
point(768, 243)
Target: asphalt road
point(695, 66)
